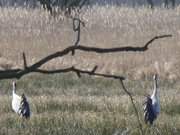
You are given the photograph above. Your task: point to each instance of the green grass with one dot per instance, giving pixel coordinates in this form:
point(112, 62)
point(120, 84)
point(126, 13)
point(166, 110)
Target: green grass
point(81, 110)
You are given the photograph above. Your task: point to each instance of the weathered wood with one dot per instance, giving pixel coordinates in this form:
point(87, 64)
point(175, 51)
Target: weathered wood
point(18, 73)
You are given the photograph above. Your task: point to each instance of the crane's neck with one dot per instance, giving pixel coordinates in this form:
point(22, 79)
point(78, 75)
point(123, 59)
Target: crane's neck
point(155, 91)
point(14, 88)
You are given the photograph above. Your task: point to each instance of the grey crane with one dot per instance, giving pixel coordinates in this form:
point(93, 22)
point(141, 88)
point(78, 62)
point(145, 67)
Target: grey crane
point(152, 104)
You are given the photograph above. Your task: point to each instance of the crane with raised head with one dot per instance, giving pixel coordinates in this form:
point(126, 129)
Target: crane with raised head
point(152, 104)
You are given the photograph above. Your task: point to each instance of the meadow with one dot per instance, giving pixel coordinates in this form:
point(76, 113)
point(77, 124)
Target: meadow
point(68, 105)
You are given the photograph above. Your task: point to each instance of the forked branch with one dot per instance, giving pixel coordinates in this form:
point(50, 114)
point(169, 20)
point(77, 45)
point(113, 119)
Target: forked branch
point(18, 73)
point(79, 72)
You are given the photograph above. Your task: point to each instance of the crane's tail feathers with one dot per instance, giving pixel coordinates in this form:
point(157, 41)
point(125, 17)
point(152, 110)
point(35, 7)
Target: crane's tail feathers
point(24, 109)
point(149, 115)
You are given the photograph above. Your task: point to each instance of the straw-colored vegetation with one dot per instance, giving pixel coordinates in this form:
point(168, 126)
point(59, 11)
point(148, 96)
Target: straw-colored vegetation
point(67, 105)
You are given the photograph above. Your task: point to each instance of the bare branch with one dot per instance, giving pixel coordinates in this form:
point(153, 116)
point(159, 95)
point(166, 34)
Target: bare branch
point(121, 49)
point(94, 69)
point(77, 28)
point(134, 106)
point(18, 73)
point(24, 60)
point(157, 37)
point(79, 71)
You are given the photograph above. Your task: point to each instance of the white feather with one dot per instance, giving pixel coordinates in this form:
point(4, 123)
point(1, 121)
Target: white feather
point(16, 99)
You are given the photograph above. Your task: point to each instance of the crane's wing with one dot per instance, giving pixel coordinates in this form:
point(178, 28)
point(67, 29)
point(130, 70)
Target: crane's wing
point(24, 109)
point(149, 115)
point(16, 101)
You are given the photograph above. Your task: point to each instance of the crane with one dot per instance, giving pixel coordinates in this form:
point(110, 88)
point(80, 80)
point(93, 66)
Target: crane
point(152, 104)
point(20, 104)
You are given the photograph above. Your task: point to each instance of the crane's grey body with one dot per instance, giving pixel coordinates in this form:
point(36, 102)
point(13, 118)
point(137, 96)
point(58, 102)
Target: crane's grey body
point(152, 104)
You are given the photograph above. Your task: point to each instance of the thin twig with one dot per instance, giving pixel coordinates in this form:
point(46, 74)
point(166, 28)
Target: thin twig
point(79, 71)
point(24, 60)
point(134, 106)
point(77, 28)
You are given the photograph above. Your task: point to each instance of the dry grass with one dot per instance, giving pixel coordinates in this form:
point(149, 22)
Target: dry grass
point(83, 110)
point(64, 104)
point(38, 35)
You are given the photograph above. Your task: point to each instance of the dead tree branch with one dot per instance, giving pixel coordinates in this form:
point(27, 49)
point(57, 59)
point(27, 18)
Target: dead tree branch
point(21, 72)
point(134, 106)
point(77, 28)
point(79, 72)
point(24, 60)
point(18, 73)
